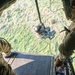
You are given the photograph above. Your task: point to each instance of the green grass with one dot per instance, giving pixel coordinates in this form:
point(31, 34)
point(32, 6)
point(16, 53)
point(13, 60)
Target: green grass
point(17, 21)
point(16, 27)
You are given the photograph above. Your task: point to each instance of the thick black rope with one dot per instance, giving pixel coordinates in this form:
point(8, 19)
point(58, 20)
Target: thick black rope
point(36, 2)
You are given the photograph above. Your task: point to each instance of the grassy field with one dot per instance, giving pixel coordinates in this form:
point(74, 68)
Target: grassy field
point(16, 25)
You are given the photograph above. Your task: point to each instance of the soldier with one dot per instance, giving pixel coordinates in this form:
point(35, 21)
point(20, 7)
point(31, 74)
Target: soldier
point(5, 68)
point(66, 48)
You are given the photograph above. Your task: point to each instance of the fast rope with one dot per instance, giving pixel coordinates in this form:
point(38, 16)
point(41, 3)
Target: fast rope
point(15, 54)
point(36, 2)
point(41, 30)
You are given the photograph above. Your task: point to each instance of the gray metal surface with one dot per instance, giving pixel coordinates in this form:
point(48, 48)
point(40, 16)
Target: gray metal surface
point(31, 64)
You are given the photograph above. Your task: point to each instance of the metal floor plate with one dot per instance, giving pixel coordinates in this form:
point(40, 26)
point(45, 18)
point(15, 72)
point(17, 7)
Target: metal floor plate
point(32, 64)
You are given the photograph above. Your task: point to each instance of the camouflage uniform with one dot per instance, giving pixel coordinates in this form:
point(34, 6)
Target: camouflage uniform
point(5, 68)
point(5, 46)
point(66, 48)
